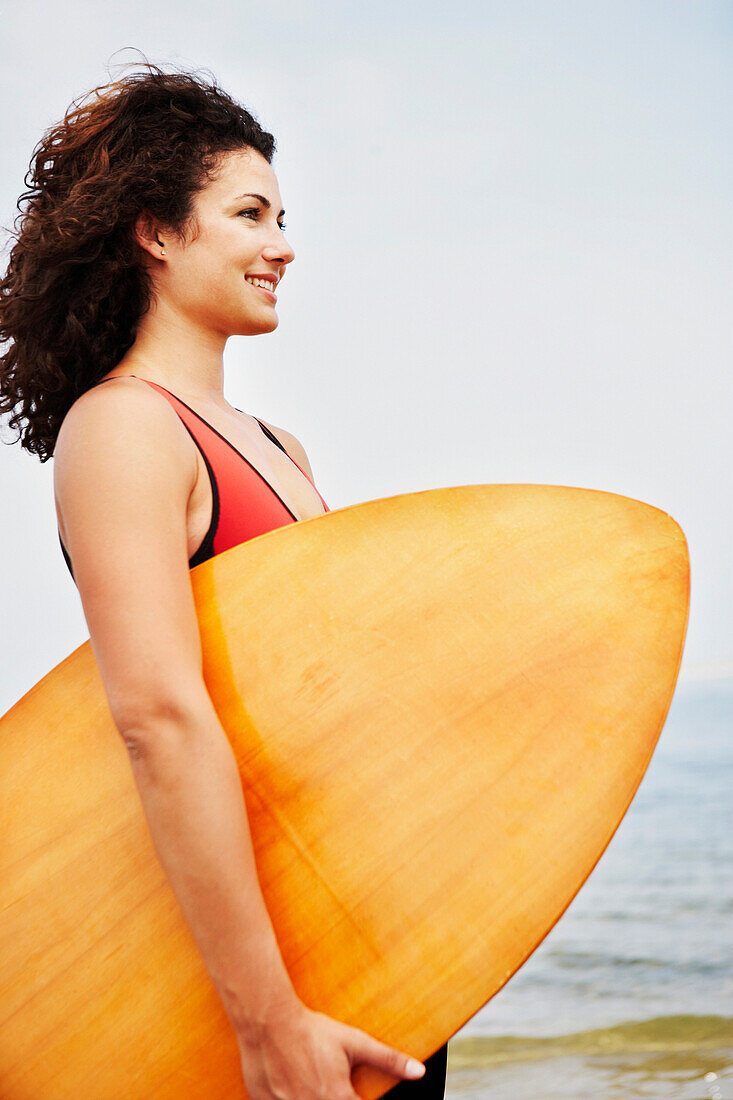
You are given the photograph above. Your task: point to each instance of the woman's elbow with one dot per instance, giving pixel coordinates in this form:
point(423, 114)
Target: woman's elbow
point(146, 721)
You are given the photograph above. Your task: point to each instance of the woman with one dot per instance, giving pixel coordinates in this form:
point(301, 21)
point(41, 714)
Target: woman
point(153, 233)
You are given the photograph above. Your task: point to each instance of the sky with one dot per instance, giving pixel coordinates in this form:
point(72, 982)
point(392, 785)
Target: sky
point(513, 230)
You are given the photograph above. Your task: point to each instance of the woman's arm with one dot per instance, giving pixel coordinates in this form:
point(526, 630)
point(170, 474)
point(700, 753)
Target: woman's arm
point(124, 471)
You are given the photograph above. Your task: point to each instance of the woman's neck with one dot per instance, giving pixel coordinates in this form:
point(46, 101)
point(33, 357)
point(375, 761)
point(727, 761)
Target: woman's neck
point(178, 354)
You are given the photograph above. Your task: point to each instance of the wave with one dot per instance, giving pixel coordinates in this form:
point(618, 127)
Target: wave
point(663, 1033)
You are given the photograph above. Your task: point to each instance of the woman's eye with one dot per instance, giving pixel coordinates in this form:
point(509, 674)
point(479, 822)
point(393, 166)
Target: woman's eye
point(255, 212)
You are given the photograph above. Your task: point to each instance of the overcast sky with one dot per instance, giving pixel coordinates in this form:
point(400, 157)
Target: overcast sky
point(512, 225)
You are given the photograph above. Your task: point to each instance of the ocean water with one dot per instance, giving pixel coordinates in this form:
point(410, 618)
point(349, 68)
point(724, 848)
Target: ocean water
point(631, 993)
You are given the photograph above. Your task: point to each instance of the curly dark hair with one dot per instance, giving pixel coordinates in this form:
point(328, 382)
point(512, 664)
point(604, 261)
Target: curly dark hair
point(75, 286)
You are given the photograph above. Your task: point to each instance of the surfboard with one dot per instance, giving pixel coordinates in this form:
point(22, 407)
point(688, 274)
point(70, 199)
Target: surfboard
point(441, 705)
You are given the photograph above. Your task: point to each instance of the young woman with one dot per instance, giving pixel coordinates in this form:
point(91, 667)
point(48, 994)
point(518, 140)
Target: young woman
point(153, 233)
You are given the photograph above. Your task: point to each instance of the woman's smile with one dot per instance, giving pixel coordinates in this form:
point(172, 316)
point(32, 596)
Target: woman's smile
point(259, 284)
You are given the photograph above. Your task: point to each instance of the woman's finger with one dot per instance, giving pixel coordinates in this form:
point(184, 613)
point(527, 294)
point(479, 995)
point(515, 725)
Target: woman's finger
point(365, 1048)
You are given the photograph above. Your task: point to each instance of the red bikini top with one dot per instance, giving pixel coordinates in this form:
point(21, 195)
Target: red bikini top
point(244, 504)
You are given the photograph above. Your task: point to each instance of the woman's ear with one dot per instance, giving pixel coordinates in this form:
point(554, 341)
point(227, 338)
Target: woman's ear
point(149, 236)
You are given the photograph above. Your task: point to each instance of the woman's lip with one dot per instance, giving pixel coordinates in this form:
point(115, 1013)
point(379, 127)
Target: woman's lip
point(270, 295)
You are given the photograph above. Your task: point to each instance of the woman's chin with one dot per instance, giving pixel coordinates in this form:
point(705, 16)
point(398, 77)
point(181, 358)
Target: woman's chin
point(256, 326)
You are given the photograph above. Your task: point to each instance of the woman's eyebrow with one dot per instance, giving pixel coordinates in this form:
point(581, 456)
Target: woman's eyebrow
point(265, 202)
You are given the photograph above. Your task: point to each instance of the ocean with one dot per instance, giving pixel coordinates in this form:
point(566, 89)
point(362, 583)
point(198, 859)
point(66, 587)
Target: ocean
point(631, 993)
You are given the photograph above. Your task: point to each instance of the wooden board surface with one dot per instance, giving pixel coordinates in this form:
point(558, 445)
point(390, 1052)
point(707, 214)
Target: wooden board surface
point(441, 705)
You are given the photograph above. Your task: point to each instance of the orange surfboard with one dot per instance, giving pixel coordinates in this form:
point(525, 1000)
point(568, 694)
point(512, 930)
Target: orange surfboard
point(441, 706)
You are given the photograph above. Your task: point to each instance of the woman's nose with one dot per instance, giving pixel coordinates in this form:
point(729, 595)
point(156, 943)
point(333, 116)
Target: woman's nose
point(279, 252)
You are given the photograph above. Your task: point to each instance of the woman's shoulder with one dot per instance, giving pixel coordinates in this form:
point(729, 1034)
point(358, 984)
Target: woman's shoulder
point(119, 409)
point(116, 430)
point(292, 445)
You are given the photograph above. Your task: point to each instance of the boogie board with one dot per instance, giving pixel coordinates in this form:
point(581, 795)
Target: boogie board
point(441, 705)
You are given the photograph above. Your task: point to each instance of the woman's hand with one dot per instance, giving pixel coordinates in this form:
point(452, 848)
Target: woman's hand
point(306, 1055)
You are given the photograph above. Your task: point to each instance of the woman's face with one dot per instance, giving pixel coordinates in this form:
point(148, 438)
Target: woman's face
point(240, 235)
